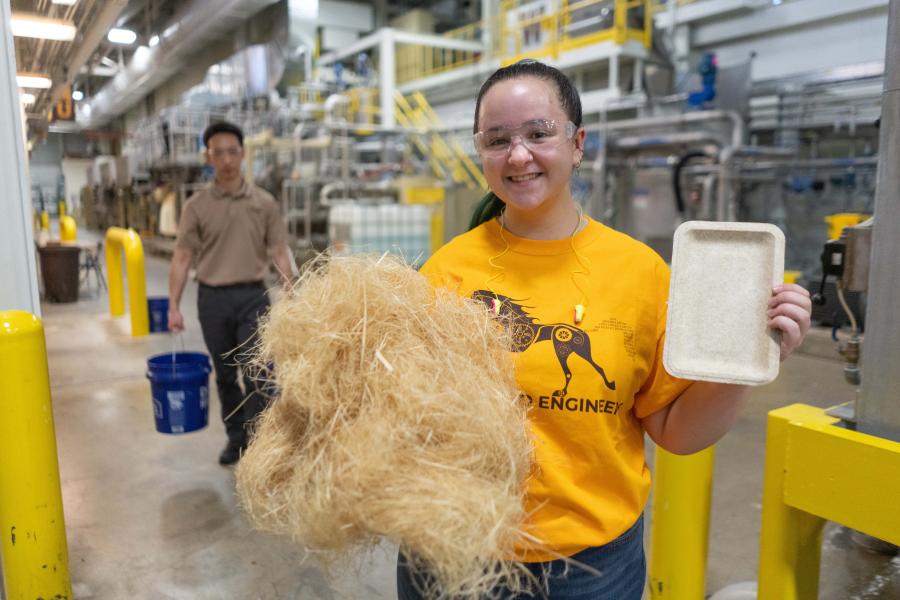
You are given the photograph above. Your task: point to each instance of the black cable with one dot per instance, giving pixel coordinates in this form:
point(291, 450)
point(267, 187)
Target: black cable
point(676, 176)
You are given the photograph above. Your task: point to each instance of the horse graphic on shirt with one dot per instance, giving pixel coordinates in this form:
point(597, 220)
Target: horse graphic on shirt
point(526, 331)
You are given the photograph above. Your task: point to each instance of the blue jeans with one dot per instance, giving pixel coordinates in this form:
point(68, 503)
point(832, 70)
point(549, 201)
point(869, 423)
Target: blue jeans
point(621, 563)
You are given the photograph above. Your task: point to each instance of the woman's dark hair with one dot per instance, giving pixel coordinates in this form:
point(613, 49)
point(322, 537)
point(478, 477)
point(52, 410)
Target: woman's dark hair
point(490, 206)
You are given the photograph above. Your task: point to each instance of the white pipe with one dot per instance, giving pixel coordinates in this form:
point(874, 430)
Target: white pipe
point(738, 130)
point(387, 77)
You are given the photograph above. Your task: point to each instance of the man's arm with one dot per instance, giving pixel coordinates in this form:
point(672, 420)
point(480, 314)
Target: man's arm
point(284, 262)
point(178, 274)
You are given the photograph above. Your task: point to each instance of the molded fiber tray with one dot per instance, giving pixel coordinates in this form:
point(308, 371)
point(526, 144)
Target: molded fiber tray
point(722, 279)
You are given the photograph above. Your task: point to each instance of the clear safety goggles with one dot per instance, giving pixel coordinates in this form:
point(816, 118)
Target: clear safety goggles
point(538, 136)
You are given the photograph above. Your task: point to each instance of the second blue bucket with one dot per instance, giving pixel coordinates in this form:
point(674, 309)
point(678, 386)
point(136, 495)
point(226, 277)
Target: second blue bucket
point(179, 382)
point(158, 311)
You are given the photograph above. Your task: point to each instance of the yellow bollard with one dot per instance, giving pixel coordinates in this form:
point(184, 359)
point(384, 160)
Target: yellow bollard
point(68, 230)
point(45, 220)
point(33, 550)
point(61, 208)
point(679, 535)
point(126, 241)
point(818, 471)
point(790, 540)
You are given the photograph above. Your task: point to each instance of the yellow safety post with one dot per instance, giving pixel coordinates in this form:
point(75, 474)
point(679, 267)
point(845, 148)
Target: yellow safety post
point(817, 471)
point(33, 551)
point(68, 230)
point(61, 207)
point(679, 534)
point(45, 220)
point(126, 241)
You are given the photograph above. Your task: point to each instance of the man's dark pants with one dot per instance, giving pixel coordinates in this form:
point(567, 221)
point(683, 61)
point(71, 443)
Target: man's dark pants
point(228, 317)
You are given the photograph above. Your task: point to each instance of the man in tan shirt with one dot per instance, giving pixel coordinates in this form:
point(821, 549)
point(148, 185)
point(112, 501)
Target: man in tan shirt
point(231, 229)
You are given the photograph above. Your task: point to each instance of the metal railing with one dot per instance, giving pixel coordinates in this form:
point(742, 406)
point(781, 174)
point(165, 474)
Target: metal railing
point(415, 61)
point(535, 29)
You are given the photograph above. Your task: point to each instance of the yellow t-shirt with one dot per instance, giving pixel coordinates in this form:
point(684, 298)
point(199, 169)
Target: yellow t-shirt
point(587, 384)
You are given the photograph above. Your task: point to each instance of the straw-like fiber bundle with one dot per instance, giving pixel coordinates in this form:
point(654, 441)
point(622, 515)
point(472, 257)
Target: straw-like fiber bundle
point(398, 417)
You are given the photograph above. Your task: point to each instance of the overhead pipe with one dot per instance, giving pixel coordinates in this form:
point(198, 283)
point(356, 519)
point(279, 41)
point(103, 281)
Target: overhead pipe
point(89, 42)
point(738, 130)
point(200, 23)
point(666, 139)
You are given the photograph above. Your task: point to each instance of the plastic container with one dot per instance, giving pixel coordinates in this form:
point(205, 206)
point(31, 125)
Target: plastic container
point(59, 271)
point(158, 311)
point(179, 382)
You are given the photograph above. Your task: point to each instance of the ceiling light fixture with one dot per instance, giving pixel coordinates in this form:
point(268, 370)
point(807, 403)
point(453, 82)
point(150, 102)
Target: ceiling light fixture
point(33, 80)
point(154, 41)
point(121, 36)
point(64, 2)
point(26, 98)
point(36, 26)
point(77, 95)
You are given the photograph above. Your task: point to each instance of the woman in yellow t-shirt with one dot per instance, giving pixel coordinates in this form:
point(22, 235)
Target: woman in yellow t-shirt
point(589, 308)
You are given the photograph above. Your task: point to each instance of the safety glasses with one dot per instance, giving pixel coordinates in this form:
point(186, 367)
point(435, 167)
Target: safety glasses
point(538, 136)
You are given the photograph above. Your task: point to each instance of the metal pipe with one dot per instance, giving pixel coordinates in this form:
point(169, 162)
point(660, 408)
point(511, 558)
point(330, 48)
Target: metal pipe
point(706, 196)
point(764, 151)
point(878, 409)
point(738, 132)
point(324, 200)
point(666, 139)
point(387, 75)
point(725, 205)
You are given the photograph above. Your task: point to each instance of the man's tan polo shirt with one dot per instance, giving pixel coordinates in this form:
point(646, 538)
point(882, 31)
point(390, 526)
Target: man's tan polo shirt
point(231, 235)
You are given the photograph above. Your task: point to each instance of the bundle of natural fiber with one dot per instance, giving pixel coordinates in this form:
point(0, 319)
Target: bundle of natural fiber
point(398, 417)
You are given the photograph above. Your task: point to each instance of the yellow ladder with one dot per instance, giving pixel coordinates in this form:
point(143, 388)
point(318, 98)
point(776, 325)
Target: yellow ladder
point(445, 157)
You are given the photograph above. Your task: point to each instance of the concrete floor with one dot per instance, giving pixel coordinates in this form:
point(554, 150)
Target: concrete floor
point(151, 516)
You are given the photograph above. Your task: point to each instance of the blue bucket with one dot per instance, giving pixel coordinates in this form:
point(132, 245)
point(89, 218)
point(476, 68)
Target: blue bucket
point(158, 311)
point(179, 382)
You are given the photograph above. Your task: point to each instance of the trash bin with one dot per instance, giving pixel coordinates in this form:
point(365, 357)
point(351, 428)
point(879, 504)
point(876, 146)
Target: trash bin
point(158, 309)
point(59, 271)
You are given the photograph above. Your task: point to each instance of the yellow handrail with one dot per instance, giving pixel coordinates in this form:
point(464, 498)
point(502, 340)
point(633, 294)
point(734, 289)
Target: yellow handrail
point(126, 241)
point(816, 471)
point(459, 152)
point(34, 558)
point(417, 140)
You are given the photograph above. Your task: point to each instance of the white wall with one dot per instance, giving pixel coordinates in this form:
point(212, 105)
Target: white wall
point(853, 41)
point(75, 172)
point(18, 270)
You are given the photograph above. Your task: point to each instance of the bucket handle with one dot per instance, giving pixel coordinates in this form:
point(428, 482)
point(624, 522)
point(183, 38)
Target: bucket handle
point(176, 338)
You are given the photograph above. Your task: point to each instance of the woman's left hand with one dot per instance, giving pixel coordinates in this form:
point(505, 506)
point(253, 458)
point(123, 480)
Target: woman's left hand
point(789, 311)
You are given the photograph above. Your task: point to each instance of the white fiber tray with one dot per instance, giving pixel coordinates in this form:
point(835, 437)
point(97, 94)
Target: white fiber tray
point(722, 280)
